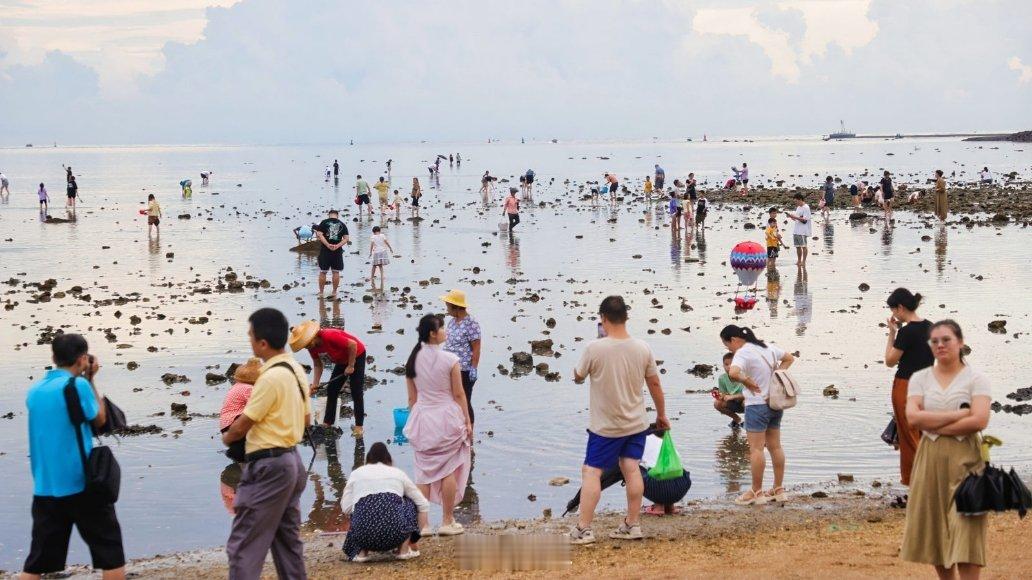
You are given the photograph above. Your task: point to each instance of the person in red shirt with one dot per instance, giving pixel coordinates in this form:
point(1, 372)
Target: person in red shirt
point(348, 354)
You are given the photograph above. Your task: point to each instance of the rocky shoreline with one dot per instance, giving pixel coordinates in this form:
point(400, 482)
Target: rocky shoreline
point(1019, 137)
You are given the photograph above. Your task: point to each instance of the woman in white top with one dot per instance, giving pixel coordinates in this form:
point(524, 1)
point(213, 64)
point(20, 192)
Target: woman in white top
point(380, 251)
point(949, 403)
point(386, 509)
point(753, 365)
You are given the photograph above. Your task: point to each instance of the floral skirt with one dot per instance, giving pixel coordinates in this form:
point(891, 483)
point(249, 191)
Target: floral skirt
point(381, 522)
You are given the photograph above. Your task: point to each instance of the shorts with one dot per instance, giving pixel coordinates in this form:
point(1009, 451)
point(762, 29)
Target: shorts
point(71, 194)
point(612, 188)
point(153, 220)
point(605, 452)
point(52, 521)
point(735, 406)
point(679, 212)
point(415, 202)
point(798, 241)
point(829, 200)
point(745, 181)
point(331, 260)
point(384, 200)
point(759, 418)
point(381, 258)
point(364, 199)
point(887, 196)
point(773, 252)
point(530, 180)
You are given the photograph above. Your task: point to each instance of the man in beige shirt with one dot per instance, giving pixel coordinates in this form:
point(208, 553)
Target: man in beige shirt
point(617, 365)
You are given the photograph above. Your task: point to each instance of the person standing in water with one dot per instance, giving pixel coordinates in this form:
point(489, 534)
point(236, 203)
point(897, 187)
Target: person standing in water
point(802, 229)
point(829, 197)
point(690, 185)
point(614, 184)
point(464, 339)
point(153, 215)
point(908, 351)
point(660, 178)
point(647, 189)
point(887, 194)
point(362, 193)
point(942, 206)
point(44, 199)
point(333, 235)
point(73, 190)
point(511, 209)
point(348, 355)
point(336, 169)
point(5, 186)
point(382, 189)
point(417, 192)
point(380, 251)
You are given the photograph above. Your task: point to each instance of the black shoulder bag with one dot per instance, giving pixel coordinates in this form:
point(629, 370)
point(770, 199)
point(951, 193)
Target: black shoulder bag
point(236, 449)
point(103, 475)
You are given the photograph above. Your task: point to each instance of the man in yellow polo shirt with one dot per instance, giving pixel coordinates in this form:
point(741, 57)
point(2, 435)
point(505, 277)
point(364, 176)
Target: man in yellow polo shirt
point(268, 500)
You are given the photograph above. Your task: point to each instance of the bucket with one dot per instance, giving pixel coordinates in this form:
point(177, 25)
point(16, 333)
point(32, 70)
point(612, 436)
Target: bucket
point(400, 417)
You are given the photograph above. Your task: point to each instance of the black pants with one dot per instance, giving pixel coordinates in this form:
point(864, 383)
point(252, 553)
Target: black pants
point(357, 383)
point(467, 385)
point(514, 218)
point(52, 521)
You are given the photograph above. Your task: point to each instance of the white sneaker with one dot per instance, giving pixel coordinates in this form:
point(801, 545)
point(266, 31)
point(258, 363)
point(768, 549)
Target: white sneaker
point(408, 555)
point(452, 529)
point(627, 532)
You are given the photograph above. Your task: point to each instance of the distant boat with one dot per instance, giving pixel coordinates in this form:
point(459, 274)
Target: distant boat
point(841, 134)
point(28, 144)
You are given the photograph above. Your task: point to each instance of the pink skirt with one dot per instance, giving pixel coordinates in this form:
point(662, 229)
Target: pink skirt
point(438, 436)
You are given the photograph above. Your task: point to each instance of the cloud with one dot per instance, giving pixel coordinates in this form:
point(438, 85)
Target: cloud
point(1024, 70)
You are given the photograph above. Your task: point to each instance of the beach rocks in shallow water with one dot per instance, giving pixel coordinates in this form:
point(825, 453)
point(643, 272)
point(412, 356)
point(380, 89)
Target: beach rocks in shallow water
point(558, 481)
point(998, 326)
point(858, 215)
point(172, 378)
point(701, 370)
point(214, 379)
point(1022, 409)
point(831, 391)
point(845, 478)
point(178, 408)
point(1023, 394)
point(138, 430)
point(864, 287)
point(541, 347)
point(522, 364)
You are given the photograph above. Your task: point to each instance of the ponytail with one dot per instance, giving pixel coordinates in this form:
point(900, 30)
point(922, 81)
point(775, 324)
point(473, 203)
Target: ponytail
point(428, 325)
point(731, 331)
point(903, 297)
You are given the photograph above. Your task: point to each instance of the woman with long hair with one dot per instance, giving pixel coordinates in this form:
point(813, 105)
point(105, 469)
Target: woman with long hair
point(908, 351)
point(417, 192)
point(438, 426)
point(753, 365)
point(386, 509)
point(949, 402)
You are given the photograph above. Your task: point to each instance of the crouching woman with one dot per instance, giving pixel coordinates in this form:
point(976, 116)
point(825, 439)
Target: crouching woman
point(386, 509)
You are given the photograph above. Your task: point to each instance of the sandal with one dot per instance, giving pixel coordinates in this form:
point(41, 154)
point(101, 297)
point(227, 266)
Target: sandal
point(752, 497)
point(777, 494)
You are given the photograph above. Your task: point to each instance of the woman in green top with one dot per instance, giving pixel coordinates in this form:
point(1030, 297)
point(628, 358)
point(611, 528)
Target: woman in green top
point(728, 397)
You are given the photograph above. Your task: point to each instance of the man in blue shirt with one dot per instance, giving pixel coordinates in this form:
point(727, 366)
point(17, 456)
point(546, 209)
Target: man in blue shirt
point(59, 497)
point(660, 178)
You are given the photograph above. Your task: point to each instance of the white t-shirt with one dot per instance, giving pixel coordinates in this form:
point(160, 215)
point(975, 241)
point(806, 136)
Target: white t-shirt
point(379, 242)
point(986, 176)
point(801, 228)
point(967, 384)
point(380, 478)
point(756, 362)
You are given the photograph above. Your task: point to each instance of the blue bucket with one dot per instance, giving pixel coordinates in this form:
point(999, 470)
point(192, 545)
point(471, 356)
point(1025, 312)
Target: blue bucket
point(400, 417)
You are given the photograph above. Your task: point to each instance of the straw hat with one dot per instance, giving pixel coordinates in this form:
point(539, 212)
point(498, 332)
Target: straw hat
point(249, 371)
point(456, 298)
point(303, 334)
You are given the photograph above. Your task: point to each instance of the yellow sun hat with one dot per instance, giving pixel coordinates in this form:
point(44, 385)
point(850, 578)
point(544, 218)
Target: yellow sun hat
point(303, 334)
point(456, 298)
point(249, 371)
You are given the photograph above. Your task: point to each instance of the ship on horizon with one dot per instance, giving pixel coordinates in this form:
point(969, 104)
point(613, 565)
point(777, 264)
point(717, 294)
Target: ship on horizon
point(841, 134)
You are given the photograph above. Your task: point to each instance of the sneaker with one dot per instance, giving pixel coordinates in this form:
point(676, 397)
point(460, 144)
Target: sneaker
point(360, 559)
point(581, 537)
point(408, 555)
point(627, 532)
point(452, 529)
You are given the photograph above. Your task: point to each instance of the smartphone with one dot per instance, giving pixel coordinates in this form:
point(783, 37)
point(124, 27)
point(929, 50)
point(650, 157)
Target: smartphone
point(601, 331)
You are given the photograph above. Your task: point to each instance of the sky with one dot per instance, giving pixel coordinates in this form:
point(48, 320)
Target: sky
point(327, 71)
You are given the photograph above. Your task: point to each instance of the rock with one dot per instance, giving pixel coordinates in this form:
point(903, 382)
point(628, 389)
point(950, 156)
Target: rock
point(139, 430)
point(830, 391)
point(522, 358)
point(998, 326)
point(541, 347)
point(184, 216)
point(550, 323)
point(132, 365)
point(558, 481)
point(858, 215)
point(178, 408)
point(819, 495)
point(864, 287)
point(845, 478)
point(214, 378)
point(546, 513)
point(532, 497)
point(171, 378)
point(1021, 395)
point(232, 370)
point(701, 370)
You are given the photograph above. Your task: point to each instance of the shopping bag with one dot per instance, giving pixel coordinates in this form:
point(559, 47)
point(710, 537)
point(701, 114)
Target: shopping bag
point(668, 464)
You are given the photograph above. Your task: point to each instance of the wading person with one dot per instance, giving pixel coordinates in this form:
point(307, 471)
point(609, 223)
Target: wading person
point(44, 199)
point(348, 355)
point(511, 209)
point(380, 251)
point(614, 184)
point(417, 192)
point(660, 178)
point(59, 496)
point(802, 228)
point(362, 195)
point(464, 342)
point(333, 236)
point(153, 215)
point(382, 190)
point(949, 402)
point(386, 509)
point(267, 504)
point(753, 365)
point(73, 191)
point(617, 366)
point(942, 206)
point(5, 185)
point(908, 351)
point(438, 426)
point(887, 193)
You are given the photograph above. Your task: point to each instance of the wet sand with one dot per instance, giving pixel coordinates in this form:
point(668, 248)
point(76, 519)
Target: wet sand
point(846, 535)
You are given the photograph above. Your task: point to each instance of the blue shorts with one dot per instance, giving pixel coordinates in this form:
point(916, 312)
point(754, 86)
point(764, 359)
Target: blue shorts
point(759, 418)
point(605, 452)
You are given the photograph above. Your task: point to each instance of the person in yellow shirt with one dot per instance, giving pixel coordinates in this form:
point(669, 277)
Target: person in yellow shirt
point(153, 214)
point(648, 188)
point(382, 187)
point(773, 240)
point(268, 500)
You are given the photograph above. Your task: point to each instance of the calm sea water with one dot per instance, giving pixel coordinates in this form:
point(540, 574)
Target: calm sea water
point(568, 253)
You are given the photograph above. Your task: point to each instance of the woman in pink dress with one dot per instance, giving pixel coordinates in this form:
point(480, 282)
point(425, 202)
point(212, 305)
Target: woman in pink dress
point(438, 426)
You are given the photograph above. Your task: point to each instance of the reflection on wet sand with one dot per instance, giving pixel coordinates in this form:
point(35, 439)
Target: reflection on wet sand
point(334, 319)
point(773, 289)
point(700, 243)
point(732, 460)
point(803, 300)
point(828, 235)
point(940, 250)
point(886, 239)
point(327, 515)
point(512, 253)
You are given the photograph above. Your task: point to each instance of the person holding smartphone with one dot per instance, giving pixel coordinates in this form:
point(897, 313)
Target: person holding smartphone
point(60, 499)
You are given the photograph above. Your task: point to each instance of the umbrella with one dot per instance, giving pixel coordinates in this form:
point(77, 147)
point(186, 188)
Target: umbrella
point(610, 477)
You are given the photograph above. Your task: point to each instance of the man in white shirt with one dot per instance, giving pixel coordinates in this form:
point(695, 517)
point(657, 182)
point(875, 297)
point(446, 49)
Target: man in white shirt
point(802, 228)
point(985, 177)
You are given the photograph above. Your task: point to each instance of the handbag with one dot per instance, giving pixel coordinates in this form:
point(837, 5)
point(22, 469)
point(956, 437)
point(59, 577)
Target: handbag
point(102, 473)
point(891, 434)
point(783, 390)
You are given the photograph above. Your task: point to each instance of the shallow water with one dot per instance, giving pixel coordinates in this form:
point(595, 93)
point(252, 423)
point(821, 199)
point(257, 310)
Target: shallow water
point(528, 430)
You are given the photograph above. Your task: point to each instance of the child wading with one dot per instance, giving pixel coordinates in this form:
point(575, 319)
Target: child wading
point(153, 214)
point(380, 251)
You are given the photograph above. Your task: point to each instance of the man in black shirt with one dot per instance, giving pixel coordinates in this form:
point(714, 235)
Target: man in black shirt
point(333, 235)
point(336, 168)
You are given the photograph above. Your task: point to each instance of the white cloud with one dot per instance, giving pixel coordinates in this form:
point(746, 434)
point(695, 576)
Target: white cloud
point(1024, 70)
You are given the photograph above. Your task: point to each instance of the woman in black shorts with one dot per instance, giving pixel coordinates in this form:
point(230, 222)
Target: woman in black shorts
point(887, 194)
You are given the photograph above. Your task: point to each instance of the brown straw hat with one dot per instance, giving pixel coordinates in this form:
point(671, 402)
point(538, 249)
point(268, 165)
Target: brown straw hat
point(303, 334)
point(249, 371)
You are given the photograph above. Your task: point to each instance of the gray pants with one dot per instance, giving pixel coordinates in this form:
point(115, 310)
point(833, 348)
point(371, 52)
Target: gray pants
point(268, 515)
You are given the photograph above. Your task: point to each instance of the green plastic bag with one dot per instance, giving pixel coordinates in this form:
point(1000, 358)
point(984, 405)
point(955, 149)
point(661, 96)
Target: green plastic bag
point(668, 465)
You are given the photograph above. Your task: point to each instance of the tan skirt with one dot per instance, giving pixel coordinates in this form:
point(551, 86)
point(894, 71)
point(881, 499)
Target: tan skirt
point(934, 532)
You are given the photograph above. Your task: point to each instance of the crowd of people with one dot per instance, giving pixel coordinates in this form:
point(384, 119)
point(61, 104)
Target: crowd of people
point(939, 404)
